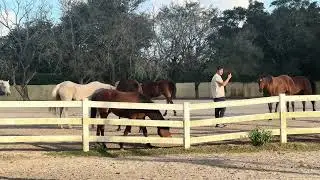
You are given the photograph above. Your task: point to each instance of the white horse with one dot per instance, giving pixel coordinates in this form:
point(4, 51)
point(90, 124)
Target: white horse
point(68, 91)
point(4, 88)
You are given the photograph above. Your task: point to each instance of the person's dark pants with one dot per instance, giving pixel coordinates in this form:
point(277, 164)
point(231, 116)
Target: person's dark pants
point(219, 112)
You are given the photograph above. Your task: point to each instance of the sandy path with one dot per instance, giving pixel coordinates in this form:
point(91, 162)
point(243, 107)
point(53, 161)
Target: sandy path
point(263, 165)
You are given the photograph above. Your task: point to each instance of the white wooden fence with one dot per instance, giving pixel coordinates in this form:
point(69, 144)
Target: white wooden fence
point(85, 121)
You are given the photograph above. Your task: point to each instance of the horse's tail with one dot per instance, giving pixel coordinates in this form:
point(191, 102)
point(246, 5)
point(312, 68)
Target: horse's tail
point(54, 109)
point(174, 90)
point(55, 96)
point(55, 90)
point(94, 110)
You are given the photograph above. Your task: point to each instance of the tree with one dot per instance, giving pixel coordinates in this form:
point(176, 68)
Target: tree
point(29, 46)
point(181, 40)
point(103, 39)
point(292, 38)
point(232, 44)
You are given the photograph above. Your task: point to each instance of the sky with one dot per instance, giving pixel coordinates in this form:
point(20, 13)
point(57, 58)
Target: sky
point(220, 4)
point(150, 5)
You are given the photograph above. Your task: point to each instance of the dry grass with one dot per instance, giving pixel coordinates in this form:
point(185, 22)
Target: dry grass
point(201, 149)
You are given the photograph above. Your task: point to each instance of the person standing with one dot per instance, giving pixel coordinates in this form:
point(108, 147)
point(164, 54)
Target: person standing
point(218, 91)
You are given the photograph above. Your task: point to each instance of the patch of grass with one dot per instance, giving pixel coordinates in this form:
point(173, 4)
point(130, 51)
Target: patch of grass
point(201, 149)
point(259, 136)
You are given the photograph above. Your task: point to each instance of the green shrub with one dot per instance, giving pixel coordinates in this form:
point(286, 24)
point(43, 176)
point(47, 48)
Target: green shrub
point(259, 136)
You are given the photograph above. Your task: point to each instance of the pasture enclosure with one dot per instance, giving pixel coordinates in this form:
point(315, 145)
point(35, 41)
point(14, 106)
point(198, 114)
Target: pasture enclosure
point(184, 91)
point(186, 139)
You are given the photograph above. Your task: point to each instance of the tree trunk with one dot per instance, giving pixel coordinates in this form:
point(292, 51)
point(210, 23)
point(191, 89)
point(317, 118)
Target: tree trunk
point(196, 88)
point(23, 91)
point(25, 96)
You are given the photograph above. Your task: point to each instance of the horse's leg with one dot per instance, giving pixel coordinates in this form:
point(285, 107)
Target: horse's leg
point(141, 128)
point(100, 132)
point(174, 111)
point(276, 109)
point(313, 105)
point(97, 115)
point(303, 105)
point(292, 106)
point(168, 102)
point(293, 109)
point(66, 114)
point(165, 113)
point(60, 115)
point(145, 134)
point(119, 127)
point(270, 109)
point(125, 133)
point(100, 127)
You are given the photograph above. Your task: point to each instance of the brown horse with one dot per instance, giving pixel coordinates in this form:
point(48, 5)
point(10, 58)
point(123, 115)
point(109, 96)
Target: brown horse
point(273, 86)
point(134, 97)
point(158, 88)
point(129, 86)
point(304, 87)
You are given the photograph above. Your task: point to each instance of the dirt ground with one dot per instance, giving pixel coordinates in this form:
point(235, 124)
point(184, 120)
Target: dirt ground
point(28, 161)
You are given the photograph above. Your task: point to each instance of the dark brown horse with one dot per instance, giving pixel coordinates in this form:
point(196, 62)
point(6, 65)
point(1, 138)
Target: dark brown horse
point(134, 97)
point(304, 87)
point(158, 88)
point(273, 86)
point(129, 85)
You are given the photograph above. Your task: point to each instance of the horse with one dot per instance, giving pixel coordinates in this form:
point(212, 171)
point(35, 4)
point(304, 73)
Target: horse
point(4, 88)
point(128, 86)
point(68, 91)
point(134, 97)
point(158, 88)
point(274, 86)
point(303, 86)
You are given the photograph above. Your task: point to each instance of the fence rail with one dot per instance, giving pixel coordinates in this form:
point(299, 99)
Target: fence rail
point(234, 103)
point(186, 140)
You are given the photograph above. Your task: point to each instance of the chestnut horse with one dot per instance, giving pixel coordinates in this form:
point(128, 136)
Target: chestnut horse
point(273, 86)
point(158, 88)
point(134, 97)
point(303, 86)
point(128, 86)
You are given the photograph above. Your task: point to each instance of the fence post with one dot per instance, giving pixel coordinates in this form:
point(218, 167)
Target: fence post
point(186, 125)
point(283, 118)
point(85, 125)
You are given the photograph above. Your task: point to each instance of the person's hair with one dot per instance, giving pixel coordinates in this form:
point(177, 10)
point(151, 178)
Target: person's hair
point(219, 67)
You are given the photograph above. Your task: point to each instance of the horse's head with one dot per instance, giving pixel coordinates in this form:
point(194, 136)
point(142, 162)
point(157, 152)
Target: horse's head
point(264, 82)
point(5, 87)
point(156, 115)
point(129, 86)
